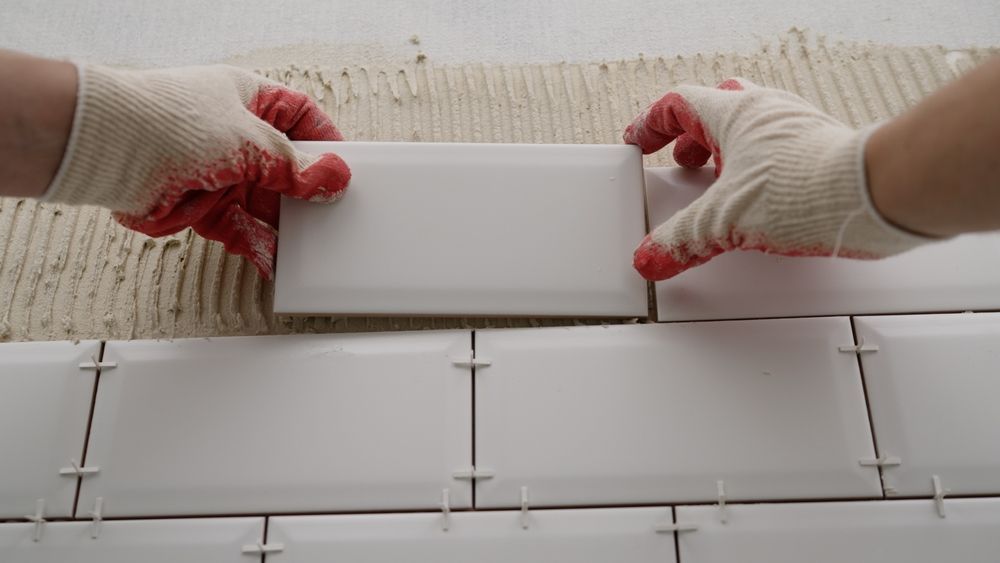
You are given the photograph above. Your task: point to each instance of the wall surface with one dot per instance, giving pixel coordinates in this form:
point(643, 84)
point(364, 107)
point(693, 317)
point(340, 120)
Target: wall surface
point(153, 32)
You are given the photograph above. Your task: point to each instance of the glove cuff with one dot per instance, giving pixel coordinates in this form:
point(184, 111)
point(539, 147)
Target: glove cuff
point(113, 143)
point(54, 192)
point(819, 186)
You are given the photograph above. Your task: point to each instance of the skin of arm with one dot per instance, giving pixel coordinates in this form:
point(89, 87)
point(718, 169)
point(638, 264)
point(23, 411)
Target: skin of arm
point(935, 169)
point(37, 101)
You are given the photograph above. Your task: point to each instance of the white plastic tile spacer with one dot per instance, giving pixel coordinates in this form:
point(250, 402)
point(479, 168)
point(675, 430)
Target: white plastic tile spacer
point(860, 348)
point(470, 361)
point(96, 518)
point(445, 510)
point(939, 493)
point(723, 513)
point(670, 527)
point(261, 547)
point(38, 519)
point(94, 364)
point(524, 508)
point(76, 470)
point(880, 461)
point(471, 473)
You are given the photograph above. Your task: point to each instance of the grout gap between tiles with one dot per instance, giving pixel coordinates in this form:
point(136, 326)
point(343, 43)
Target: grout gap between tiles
point(677, 536)
point(263, 554)
point(868, 409)
point(90, 421)
point(512, 509)
point(472, 483)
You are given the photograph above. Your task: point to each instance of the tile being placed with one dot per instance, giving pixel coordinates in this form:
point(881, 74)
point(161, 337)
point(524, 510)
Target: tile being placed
point(933, 387)
point(551, 536)
point(469, 229)
point(661, 413)
point(304, 423)
point(903, 531)
point(45, 401)
point(958, 275)
point(208, 540)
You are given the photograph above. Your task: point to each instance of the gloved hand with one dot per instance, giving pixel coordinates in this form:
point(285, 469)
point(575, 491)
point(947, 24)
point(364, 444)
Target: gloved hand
point(791, 180)
point(200, 147)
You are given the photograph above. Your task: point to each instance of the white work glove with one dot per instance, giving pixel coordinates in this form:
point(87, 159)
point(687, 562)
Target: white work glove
point(202, 147)
point(791, 180)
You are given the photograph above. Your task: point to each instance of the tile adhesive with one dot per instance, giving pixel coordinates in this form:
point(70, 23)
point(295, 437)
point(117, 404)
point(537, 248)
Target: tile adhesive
point(74, 273)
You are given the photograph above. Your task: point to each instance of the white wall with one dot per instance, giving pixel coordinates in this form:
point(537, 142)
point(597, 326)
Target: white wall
point(165, 32)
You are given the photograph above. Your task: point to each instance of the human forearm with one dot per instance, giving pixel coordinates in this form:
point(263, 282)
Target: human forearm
point(205, 147)
point(936, 168)
point(37, 99)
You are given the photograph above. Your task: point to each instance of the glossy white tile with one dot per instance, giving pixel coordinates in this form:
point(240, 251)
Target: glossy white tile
point(902, 531)
point(661, 413)
point(45, 401)
point(551, 536)
point(208, 540)
point(934, 386)
point(478, 229)
point(957, 275)
point(302, 423)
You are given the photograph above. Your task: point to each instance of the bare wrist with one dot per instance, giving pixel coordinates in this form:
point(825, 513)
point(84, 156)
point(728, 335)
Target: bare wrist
point(37, 102)
point(933, 170)
point(884, 183)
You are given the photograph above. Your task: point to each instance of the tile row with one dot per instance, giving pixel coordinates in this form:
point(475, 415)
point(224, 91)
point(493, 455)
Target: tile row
point(959, 274)
point(763, 410)
point(875, 531)
point(549, 230)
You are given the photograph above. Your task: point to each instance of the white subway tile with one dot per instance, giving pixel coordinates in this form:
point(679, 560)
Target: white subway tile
point(956, 275)
point(281, 424)
point(661, 413)
point(468, 229)
point(934, 386)
point(45, 401)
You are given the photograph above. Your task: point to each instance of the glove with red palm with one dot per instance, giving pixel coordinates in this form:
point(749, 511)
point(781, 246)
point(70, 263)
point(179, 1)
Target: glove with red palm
point(791, 180)
point(201, 147)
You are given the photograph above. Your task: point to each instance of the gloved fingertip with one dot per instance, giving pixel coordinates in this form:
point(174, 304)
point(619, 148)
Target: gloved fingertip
point(636, 133)
point(255, 240)
point(654, 262)
point(629, 135)
point(689, 153)
point(264, 266)
point(241, 234)
point(731, 84)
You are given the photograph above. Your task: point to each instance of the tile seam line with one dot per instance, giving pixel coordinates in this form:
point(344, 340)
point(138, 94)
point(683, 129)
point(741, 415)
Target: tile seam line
point(615, 321)
point(514, 509)
point(958, 311)
point(90, 421)
point(472, 368)
point(868, 408)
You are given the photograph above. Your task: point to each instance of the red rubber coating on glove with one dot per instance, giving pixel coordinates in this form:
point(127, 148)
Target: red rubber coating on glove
point(235, 200)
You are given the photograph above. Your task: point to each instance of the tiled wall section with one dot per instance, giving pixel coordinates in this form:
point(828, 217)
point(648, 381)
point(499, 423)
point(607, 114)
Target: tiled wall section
point(960, 274)
point(597, 443)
